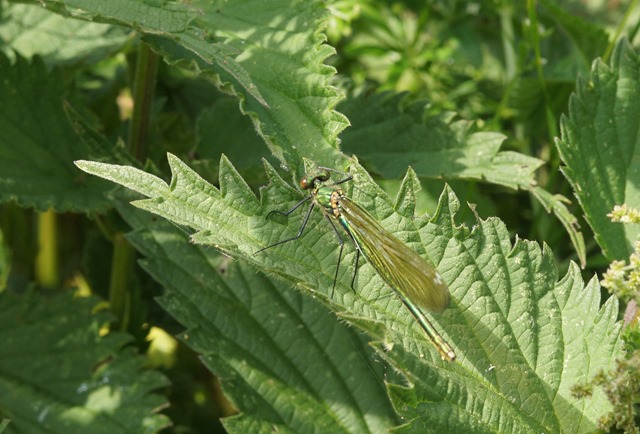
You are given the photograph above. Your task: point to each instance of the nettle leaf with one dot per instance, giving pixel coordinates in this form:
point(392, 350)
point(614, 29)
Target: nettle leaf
point(42, 133)
point(67, 41)
point(59, 375)
point(281, 46)
point(281, 356)
point(269, 54)
point(522, 337)
point(600, 147)
point(392, 135)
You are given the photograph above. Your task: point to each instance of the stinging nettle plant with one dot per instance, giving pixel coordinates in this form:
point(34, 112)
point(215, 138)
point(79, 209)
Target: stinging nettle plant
point(292, 354)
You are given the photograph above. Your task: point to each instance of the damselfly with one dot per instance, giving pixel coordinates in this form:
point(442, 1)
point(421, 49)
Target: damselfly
point(416, 282)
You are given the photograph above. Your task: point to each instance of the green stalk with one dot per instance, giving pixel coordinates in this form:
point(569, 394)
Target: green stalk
point(121, 292)
point(47, 260)
point(143, 94)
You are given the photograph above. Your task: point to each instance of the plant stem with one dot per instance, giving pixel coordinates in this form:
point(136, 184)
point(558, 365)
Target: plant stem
point(46, 271)
point(143, 93)
point(121, 292)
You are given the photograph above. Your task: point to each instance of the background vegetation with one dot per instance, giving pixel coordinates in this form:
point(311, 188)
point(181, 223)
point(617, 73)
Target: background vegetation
point(494, 137)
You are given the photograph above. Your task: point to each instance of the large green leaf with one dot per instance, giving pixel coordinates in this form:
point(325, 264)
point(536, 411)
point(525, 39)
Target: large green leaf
point(600, 147)
point(522, 337)
point(270, 54)
point(39, 141)
point(59, 375)
point(281, 356)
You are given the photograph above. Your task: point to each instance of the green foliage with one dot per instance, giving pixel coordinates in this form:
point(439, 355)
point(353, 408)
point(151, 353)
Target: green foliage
point(243, 93)
point(279, 52)
point(390, 137)
point(601, 149)
point(34, 127)
point(60, 375)
point(590, 40)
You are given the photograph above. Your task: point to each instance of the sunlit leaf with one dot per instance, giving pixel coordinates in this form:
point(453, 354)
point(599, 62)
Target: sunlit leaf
point(523, 337)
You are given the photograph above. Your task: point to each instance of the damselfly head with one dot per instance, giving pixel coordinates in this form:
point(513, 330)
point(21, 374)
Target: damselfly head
point(306, 183)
